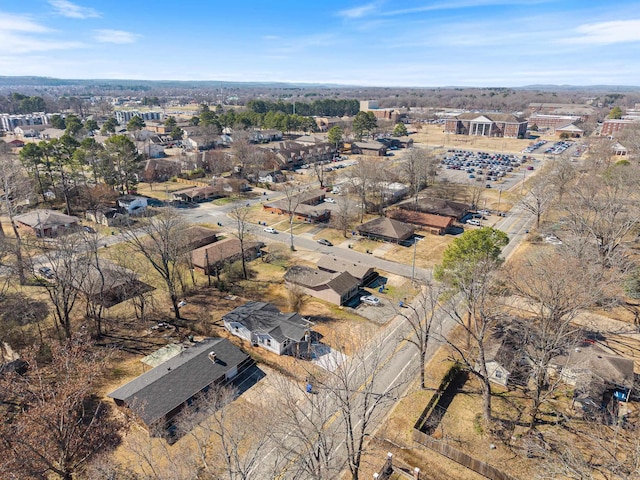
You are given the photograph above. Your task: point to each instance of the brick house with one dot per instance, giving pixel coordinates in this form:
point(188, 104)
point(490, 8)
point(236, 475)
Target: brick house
point(487, 125)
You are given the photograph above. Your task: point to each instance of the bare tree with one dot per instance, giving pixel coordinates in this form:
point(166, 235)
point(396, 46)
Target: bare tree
point(239, 215)
point(419, 169)
point(161, 241)
point(293, 196)
point(538, 197)
point(55, 424)
point(423, 319)
point(344, 216)
point(550, 291)
point(69, 274)
point(14, 188)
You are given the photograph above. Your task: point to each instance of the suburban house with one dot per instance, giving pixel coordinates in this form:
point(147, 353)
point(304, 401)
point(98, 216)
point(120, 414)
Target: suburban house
point(197, 236)
point(435, 224)
point(386, 229)
point(265, 136)
point(368, 148)
point(271, 176)
point(133, 204)
point(159, 394)
point(336, 287)
point(500, 360)
point(211, 258)
point(197, 194)
point(438, 206)
point(29, 131)
point(291, 154)
point(16, 143)
point(46, 223)
point(306, 206)
point(160, 170)
point(487, 125)
point(265, 326)
point(109, 217)
point(596, 375)
point(365, 274)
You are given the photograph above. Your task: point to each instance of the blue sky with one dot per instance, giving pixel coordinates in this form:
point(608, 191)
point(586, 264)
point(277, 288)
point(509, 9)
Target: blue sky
point(378, 43)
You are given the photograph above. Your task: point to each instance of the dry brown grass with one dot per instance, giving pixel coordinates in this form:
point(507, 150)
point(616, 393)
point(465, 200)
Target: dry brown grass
point(429, 250)
point(434, 135)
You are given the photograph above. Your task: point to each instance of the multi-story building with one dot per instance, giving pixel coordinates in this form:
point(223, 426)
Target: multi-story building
point(552, 121)
point(487, 125)
point(611, 127)
point(9, 122)
point(585, 112)
point(123, 116)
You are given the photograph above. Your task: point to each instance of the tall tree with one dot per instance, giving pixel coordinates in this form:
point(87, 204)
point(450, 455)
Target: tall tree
point(538, 197)
point(468, 270)
point(400, 130)
point(135, 124)
point(161, 241)
point(335, 135)
point(109, 126)
point(55, 424)
point(240, 214)
point(120, 163)
point(364, 123)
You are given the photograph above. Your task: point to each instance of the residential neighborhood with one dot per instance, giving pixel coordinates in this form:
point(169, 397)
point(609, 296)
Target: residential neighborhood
point(294, 268)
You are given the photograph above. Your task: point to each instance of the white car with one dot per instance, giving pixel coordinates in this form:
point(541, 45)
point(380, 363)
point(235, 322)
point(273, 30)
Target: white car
point(473, 221)
point(270, 230)
point(370, 300)
point(329, 200)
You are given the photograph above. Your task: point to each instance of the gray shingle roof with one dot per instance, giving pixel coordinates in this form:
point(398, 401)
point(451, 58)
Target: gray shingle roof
point(42, 218)
point(387, 227)
point(262, 317)
point(157, 392)
point(335, 264)
point(340, 282)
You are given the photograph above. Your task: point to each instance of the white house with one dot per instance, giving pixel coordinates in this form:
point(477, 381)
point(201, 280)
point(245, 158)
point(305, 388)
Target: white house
point(133, 204)
point(265, 326)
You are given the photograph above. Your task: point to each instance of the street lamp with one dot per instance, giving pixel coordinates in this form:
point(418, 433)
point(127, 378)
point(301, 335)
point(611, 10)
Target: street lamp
point(413, 266)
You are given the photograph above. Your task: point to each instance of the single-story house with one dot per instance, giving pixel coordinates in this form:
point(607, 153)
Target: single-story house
point(133, 204)
point(197, 194)
point(29, 131)
point(499, 357)
point(386, 229)
point(107, 216)
point(160, 170)
point(593, 372)
point(336, 288)
point(210, 259)
point(159, 394)
point(264, 325)
point(435, 224)
point(16, 143)
point(197, 237)
point(46, 223)
point(368, 148)
point(438, 206)
point(271, 176)
point(307, 206)
point(364, 273)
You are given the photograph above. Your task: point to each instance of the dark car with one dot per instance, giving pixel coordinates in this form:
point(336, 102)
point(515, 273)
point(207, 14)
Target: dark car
point(46, 272)
point(324, 241)
point(88, 229)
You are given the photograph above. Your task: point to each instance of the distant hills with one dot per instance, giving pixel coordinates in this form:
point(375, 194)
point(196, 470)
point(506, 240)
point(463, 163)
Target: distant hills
point(32, 81)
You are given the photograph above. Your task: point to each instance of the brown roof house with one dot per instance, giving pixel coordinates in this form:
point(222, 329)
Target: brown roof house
point(386, 229)
point(438, 206)
point(308, 205)
point(364, 273)
point(213, 257)
point(333, 287)
point(594, 372)
point(46, 223)
point(159, 394)
point(197, 236)
point(265, 326)
point(435, 224)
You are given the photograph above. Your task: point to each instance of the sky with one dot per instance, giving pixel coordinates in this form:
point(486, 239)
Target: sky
point(412, 43)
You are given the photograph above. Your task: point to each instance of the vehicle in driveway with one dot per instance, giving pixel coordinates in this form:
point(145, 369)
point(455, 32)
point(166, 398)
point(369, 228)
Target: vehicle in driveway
point(88, 229)
point(329, 200)
point(325, 242)
point(270, 230)
point(473, 221)
point(46, 272)
point(371, 300)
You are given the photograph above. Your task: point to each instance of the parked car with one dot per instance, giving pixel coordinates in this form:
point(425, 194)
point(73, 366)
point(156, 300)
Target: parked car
point(270, 230)
point(88, 229)
point(473, 221)
point(329, 200)
point(46, 272)
point(324, 241)
point(371, 300)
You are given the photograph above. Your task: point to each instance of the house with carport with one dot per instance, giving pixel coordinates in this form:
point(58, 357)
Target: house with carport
point(334, 287)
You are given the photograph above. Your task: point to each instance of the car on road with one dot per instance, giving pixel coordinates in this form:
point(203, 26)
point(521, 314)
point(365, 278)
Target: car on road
point(371, 300)
point(46, 272)
point(329, 200)
point(325, 242)
point(270, 230)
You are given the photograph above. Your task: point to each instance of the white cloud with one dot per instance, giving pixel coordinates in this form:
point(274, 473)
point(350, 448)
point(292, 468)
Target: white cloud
point(359, 12)
point(115, 36)
point(606, 33)
point(18, 23)
point(71, 10)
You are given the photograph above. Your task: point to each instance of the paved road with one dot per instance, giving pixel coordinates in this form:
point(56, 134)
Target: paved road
point(400, 357)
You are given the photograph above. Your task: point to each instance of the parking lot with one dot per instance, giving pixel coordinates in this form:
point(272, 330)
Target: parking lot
point(490, 170)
